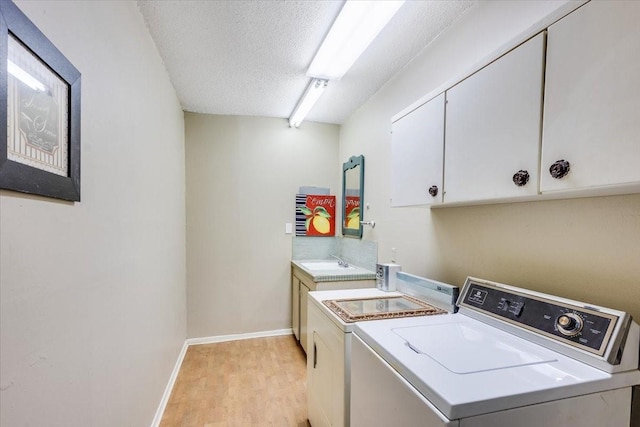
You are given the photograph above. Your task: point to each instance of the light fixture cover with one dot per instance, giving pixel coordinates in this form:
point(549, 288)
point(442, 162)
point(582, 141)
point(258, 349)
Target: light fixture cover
point(358, 23)
point(307, 101)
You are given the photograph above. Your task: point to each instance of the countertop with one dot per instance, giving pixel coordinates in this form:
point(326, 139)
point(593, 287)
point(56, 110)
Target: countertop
point(337, 275)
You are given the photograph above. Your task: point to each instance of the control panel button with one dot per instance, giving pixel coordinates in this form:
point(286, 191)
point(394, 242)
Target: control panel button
point(516, 308)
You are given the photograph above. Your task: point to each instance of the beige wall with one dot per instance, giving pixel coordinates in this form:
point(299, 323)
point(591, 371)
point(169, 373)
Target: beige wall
point(242, 176)
point(587, 249)
point(92, 294)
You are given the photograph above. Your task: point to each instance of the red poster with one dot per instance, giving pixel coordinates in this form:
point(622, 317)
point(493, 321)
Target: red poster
point(352, 212)
point(320, 213)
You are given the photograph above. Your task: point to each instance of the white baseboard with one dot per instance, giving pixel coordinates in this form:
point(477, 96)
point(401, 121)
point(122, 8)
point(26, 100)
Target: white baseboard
point(235, 337)
point(169, 388)
point(205, 340)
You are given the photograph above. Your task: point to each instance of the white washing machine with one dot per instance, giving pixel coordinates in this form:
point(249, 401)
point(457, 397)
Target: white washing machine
point(509, 357)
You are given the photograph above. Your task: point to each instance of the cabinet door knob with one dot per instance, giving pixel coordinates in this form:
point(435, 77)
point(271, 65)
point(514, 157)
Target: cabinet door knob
point(521, 178)
point(559, 169)
point(433, 190)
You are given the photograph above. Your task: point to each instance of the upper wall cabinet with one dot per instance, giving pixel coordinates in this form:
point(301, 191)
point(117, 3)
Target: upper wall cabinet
point(591, 132)
point(493, 121)
point(504, 141)
point(416, 155)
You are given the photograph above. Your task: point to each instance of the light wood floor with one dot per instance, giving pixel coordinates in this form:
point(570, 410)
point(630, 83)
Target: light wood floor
point(256, 382)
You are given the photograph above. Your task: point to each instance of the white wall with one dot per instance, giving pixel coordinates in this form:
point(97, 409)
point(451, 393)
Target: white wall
point(587, 249)
point(92, 294)
point(242, 177)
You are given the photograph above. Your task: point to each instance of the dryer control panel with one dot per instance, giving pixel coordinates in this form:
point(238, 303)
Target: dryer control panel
point(578, 325)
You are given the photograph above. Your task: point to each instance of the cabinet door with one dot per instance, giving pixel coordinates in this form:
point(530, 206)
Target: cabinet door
point(321, 382)
point(295, 306)
point(417, 154)
point(326, 381)
point(493, 128)
point(592, 97)
point(304, 292)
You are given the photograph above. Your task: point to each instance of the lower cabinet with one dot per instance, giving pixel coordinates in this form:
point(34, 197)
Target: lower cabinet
point(295, 306)
point(327, 379)
point(301, 284)
point(304, 292)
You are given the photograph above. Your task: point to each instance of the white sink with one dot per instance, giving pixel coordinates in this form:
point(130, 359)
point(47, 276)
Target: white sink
point(324, 265)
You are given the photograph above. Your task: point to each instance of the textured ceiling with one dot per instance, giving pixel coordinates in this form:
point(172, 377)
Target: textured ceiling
point(250, 57)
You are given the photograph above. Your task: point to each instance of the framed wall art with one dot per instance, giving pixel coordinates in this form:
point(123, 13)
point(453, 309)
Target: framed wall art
point(39, 110)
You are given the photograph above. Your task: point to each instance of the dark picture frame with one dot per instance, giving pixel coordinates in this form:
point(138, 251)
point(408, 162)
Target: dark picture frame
point(58, 132)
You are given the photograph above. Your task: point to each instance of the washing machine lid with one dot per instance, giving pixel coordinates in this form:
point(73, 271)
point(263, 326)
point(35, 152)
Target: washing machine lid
point(467, 368)
point(463, 348)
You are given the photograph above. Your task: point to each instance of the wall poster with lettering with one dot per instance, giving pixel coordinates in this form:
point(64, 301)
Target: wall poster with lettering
point(319, 215)
point(352, 212)
point(41, 105)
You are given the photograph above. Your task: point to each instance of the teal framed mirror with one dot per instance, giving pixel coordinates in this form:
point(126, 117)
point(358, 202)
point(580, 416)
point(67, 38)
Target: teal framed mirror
point(352, 196)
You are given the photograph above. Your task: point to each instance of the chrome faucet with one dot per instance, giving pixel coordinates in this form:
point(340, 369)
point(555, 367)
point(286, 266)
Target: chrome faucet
point(341, 262)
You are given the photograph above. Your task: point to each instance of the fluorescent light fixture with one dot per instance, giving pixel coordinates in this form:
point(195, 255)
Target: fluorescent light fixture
point(307, 101)
point(25, 77)
point(358, 23)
